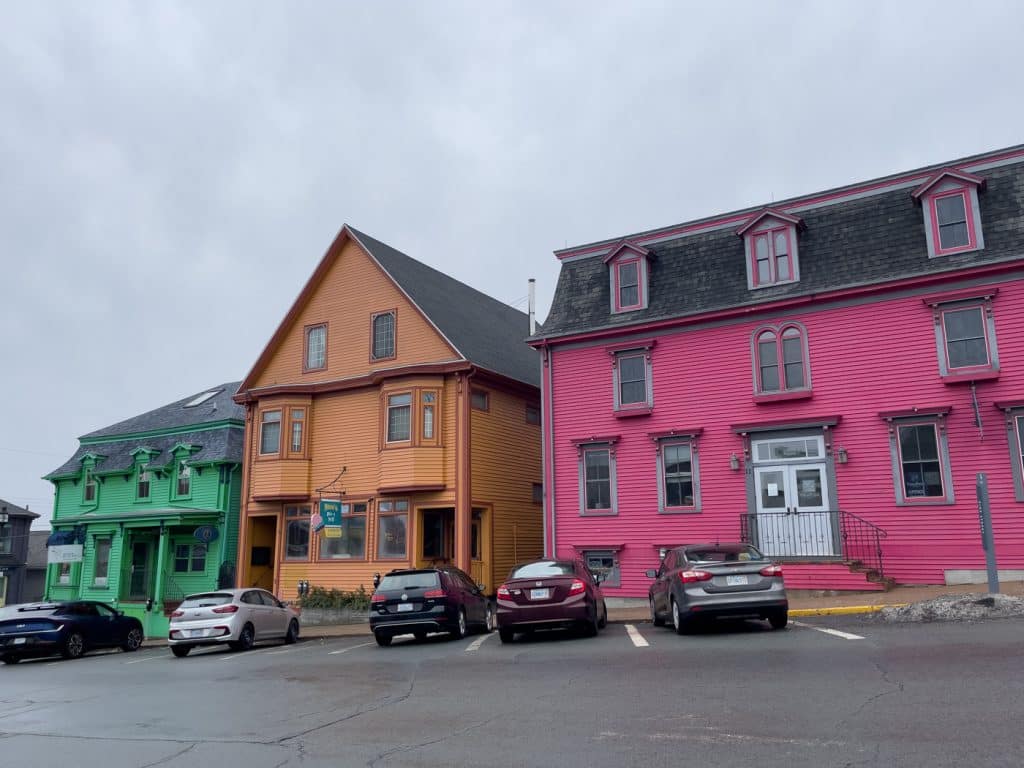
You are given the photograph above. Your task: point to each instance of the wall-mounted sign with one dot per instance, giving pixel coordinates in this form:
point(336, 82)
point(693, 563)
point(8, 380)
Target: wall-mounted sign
point(64, 553)
point(206, 533)
point(330, 511)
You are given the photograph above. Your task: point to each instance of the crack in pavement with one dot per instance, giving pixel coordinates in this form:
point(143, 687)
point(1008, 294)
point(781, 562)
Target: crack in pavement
point(412, 747)
point(171, 757)
point(898, 688)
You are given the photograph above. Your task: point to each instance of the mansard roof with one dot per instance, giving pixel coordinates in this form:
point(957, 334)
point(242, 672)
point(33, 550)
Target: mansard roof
point(861, 235)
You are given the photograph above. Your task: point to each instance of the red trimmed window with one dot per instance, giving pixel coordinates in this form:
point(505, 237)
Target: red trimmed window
point(628, 292)
point(780, 360)
point(952, 221)
point(383, 336)
point(316, 348)
point(771, 256)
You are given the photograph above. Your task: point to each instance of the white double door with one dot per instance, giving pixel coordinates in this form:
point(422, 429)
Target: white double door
point(793, 513)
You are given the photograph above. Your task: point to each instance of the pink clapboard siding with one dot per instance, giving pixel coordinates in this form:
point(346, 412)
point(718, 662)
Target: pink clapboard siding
point(875, 356)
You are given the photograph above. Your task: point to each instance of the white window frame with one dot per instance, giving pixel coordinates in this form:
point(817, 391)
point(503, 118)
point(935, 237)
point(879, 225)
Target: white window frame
point(264, 421)
point(973, 213)
point(648, 402)
point(662, 475)
point(582, 449)
point(768, 226)
point(984, 304)
point(387, 417)
point(938, 423)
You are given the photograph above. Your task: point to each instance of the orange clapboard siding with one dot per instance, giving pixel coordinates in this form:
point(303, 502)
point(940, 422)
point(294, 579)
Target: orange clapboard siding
point(506, 462)
point(351, 291)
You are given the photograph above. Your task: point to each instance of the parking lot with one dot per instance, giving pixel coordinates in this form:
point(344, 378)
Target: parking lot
point(823, 692)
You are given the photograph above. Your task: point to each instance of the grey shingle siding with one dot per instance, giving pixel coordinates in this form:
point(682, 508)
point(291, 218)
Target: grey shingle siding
point(872, 240)
point(486, 332)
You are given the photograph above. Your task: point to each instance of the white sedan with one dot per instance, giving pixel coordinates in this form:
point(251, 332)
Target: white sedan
point(238, 617)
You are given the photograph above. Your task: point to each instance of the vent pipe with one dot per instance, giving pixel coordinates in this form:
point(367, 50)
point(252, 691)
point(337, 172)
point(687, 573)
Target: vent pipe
point(532, 304)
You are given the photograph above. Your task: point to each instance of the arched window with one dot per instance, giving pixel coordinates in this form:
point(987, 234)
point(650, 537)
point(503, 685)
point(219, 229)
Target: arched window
point(781, 360)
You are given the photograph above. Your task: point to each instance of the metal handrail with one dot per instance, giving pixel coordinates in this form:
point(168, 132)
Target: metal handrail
point(859, 540)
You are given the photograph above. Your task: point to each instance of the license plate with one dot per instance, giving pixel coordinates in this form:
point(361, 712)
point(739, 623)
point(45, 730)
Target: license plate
point(19, 641)
point(402, 607)
point(735, 581)
point(196, 632)
point(539, 594)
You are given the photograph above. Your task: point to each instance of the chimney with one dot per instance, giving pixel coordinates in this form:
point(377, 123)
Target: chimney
point(533, 306)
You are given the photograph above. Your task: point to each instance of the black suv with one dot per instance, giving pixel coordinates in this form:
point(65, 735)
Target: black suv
point(418, 601)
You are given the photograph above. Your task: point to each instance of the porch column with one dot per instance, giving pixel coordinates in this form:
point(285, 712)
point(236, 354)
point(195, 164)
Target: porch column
point(158, 589)
point(463, 481)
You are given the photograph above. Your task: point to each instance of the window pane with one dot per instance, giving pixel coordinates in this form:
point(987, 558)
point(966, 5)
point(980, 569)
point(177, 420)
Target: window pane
point(629, 296)
point(678, 476)
point(181, 558)
point(950, 210)
point(198, 557)
point(352, 541)
point(142, 491)
point(598, 479)
point(270, 432)
point(953, 236)
point(792, 355)
point(919, 454)
point(391, 535)
point(1020, 439)
point(315, 347)
point(102, 560)
point(761, 259)
point(480, 399)
point(965, 337)
point(296, 436)
point(184, 479)
point(297, 533)
point(628, 275)
point(428, 422)
point(399, 417)
point(384, 336)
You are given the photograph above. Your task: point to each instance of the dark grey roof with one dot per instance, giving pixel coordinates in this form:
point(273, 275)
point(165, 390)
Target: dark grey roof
point(217, 408)
point(485, 331)
point(15, 511)
point(871, 240)
point(215, 445)
point(37, 549)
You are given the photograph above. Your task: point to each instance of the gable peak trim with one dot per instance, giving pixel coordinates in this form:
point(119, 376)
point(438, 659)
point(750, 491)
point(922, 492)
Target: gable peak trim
point(765, 213)
point(947, 173)
point(626, 245)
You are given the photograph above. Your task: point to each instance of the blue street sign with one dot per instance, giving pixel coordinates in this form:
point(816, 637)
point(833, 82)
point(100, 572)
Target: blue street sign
point(206, 533)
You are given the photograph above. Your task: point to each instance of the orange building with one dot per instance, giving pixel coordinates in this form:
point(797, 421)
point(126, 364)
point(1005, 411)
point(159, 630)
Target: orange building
point(411, 398)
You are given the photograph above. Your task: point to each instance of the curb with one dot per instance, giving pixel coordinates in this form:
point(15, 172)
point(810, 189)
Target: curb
point(842, 610)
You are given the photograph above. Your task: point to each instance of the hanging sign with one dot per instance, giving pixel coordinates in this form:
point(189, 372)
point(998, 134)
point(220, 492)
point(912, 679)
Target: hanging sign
point(64, 553)
point(206, 533)
point(330, 511)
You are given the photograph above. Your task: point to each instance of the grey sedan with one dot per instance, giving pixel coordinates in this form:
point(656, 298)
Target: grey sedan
point(717, 581)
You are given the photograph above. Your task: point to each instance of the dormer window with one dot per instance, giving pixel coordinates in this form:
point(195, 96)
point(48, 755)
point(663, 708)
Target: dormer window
point(627, 273)
point(770, 245)
point(952, 220)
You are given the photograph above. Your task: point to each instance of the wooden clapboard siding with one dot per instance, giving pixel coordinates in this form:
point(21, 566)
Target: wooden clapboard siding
point(351, 290)
point(505, 463)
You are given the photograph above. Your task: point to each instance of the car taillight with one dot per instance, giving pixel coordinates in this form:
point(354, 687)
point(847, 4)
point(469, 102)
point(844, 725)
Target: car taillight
point(577, 587)
point(771, 570)
point(435, 593)
point(503, 591)
point(226, 609)
point(377, 598)
point(177, 614)
point(688, 576)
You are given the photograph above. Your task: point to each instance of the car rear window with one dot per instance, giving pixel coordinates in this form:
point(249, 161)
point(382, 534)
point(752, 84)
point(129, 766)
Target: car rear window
point(723, 554)
point(201, 601)
point(418, 580)
point(547, 568)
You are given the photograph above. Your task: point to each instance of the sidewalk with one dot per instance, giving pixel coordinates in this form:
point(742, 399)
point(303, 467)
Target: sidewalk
point(802, 602)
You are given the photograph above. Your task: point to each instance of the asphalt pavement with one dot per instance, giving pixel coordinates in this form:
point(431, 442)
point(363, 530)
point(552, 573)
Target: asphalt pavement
point(827, 691)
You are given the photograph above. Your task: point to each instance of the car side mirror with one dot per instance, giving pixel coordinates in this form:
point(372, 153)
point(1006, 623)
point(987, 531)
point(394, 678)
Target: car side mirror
point(480, 588)
point(597, 578)
point(650, 573)
point(376, 580)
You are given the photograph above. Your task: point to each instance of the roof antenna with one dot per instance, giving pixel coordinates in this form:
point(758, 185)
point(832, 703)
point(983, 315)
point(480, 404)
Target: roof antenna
point(533, 306)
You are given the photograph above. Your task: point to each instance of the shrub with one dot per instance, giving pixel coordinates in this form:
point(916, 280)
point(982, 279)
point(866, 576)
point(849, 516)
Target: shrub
point(337, 599)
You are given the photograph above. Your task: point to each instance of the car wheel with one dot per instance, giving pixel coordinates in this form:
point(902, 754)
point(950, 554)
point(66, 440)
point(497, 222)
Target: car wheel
point(603, 621)
point(656, 620)
point(460, 627)
point(506, 635)
point(779, 619)
point(292, 635)
point(10, 659)
point(181, 651)
point(74, 646)
point(420, 635)
point(488, 620)
point(679, 622)
point(133, 640)
point(382, 640)
point(245, 639)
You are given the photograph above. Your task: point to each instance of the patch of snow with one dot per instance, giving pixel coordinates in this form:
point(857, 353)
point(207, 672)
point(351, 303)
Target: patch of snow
point(970, 607)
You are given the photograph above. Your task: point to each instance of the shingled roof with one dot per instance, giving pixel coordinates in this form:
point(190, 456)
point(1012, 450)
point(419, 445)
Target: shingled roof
point(174, 421)
point(485, 331)
point(864, 238)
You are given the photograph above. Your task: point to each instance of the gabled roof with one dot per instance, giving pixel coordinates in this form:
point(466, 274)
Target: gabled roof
point(14, 510)
point(625, 245)
point(947, 173)
point(765, 213)
point(482, 330)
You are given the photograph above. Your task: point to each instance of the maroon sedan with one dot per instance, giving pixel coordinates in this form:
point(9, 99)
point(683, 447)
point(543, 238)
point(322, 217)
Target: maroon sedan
point(548, 594)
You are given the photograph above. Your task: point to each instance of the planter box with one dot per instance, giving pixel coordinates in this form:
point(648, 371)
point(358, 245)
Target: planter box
point(314, 617)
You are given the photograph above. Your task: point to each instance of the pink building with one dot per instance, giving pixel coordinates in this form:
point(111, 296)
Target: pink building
point(824, 378)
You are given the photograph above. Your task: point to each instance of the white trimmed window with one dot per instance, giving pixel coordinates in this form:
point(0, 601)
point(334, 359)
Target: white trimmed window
point(597, 480)
point(781, 362)
point(270, 432)
point(952, 216)
point(399, 417)
point(631, 380)
point(316, 347)
point(383, 336)
point(920, 459)
point(965, 336)
point(628, 277)
point(771, 248)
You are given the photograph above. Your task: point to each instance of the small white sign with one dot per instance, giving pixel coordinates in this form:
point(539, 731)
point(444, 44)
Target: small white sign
point(773, 489)
point(64, 553)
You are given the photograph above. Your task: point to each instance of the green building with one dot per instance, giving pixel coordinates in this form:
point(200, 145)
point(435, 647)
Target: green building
point(146, 511)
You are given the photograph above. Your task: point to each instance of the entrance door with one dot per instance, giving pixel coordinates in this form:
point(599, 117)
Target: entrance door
point(480, 549)
point(437, 545)
point(793, 515)
point(140, 570)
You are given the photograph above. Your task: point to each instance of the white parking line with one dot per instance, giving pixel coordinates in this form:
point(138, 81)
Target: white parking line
point(275, 653)
point(636, 637)
point(827, 631)
point(477, 643)
point(147, 658)
point(346, 650)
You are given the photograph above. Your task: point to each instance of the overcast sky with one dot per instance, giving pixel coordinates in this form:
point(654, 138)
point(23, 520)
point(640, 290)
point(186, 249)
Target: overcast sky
point(170, 173)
